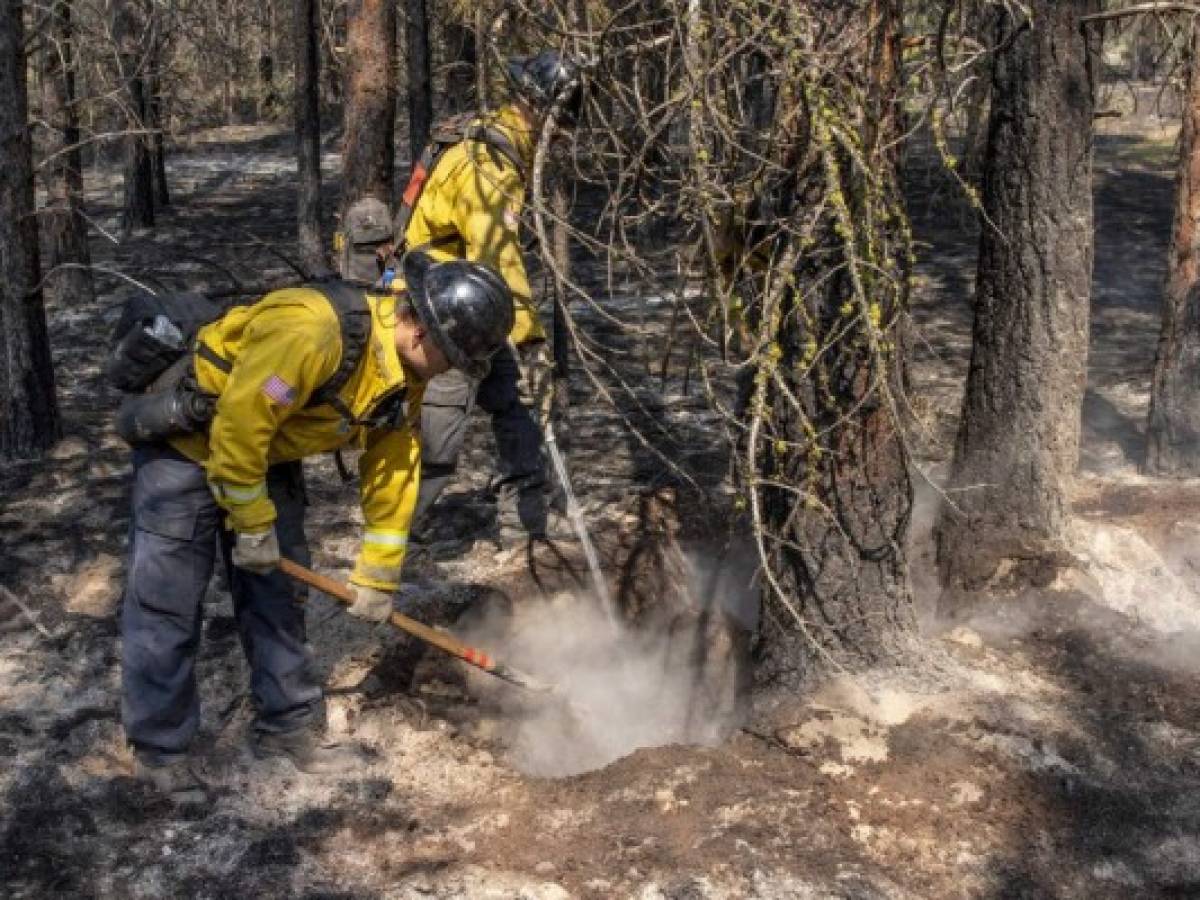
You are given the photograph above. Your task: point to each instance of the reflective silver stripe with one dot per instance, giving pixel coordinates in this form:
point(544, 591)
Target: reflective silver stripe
point(385, 538)
point(239, 495)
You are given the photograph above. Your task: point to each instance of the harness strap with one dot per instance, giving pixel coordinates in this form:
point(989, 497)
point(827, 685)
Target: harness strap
point(496, 140)
point(213, 358)
point(354, 318)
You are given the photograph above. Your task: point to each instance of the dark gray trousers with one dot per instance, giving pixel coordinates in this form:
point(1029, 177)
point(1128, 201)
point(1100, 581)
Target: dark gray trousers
point(176, 532)
point(445, 412)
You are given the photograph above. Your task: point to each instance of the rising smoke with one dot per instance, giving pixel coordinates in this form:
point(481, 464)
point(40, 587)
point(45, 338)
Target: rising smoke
point(678, 681)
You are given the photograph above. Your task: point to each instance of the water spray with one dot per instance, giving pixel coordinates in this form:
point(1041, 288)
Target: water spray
point(542, 396)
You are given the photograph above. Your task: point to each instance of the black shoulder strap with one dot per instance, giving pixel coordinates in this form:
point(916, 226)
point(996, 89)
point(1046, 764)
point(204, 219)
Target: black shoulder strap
point(470, 128)
point(354, 319)
point(497, 140)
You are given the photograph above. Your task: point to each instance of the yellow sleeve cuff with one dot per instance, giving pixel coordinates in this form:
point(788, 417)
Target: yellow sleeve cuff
point(382, 578)
point(381, 558)
point(248, 506)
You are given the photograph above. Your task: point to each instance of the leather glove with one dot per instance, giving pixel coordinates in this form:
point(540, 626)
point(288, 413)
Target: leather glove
point(257, 551)
point(537, 371)
point(371, 604)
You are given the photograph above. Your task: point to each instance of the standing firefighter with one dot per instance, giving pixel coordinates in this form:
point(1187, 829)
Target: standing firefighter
point(464, 201)
point(302, 371)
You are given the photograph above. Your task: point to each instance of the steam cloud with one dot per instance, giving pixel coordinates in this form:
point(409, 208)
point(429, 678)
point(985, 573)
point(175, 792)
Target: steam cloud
point(625, 689)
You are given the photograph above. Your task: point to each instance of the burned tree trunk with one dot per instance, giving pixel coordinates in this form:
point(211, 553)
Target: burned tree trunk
point(460, 74)
point(1173, 431)
point(420, 78)
point(1018, 439)
point(267, 100)
point(977, 21)
point(370, 102)
point(331, 42)
point(832, 497)
point(129, 34)
point(69, 278)
point(28, 409)
point(306, 111)
point(162, 193)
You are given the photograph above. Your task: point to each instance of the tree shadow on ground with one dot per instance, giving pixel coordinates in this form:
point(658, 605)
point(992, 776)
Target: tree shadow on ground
point(1119, 818)
point(1104, 425)
point(114, 837)
point(1133, 229)
point(72, 823)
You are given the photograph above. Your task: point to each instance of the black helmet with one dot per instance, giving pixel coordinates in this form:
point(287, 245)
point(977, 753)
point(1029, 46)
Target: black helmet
point(466, 306)
point(548, 77)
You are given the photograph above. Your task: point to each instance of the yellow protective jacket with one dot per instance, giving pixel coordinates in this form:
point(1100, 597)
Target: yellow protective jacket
point(470, 208)
point(282, 349)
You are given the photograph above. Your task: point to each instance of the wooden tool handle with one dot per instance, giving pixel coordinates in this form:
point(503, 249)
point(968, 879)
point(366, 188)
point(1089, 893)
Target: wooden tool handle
point(440, 639)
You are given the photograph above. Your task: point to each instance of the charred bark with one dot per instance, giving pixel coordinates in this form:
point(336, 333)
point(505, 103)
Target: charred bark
point(831, 470)
point(68, 277)
point(1018, 439)
point(129, 33)
point(1173, 430)
point(977, 24)
point(420, 78)
point(307, 115)
point(28, 408)
point(369, 165)
point(162, 191)
point(158, 149)
point(331, 41)
point(460, 75)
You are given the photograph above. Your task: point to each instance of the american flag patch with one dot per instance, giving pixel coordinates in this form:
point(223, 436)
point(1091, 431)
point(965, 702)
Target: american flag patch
point(279, 390)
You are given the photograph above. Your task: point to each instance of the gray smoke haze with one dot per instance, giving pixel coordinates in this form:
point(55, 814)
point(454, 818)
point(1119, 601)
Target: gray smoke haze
point(1135, 588)
point(625, 689)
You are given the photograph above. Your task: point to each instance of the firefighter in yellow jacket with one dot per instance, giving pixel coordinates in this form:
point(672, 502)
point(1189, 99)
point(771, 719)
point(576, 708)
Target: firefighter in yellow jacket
point(468, 206)
point(290, 376)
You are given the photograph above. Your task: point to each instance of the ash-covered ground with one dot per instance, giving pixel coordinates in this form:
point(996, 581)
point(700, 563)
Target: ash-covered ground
point(1048, 746)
